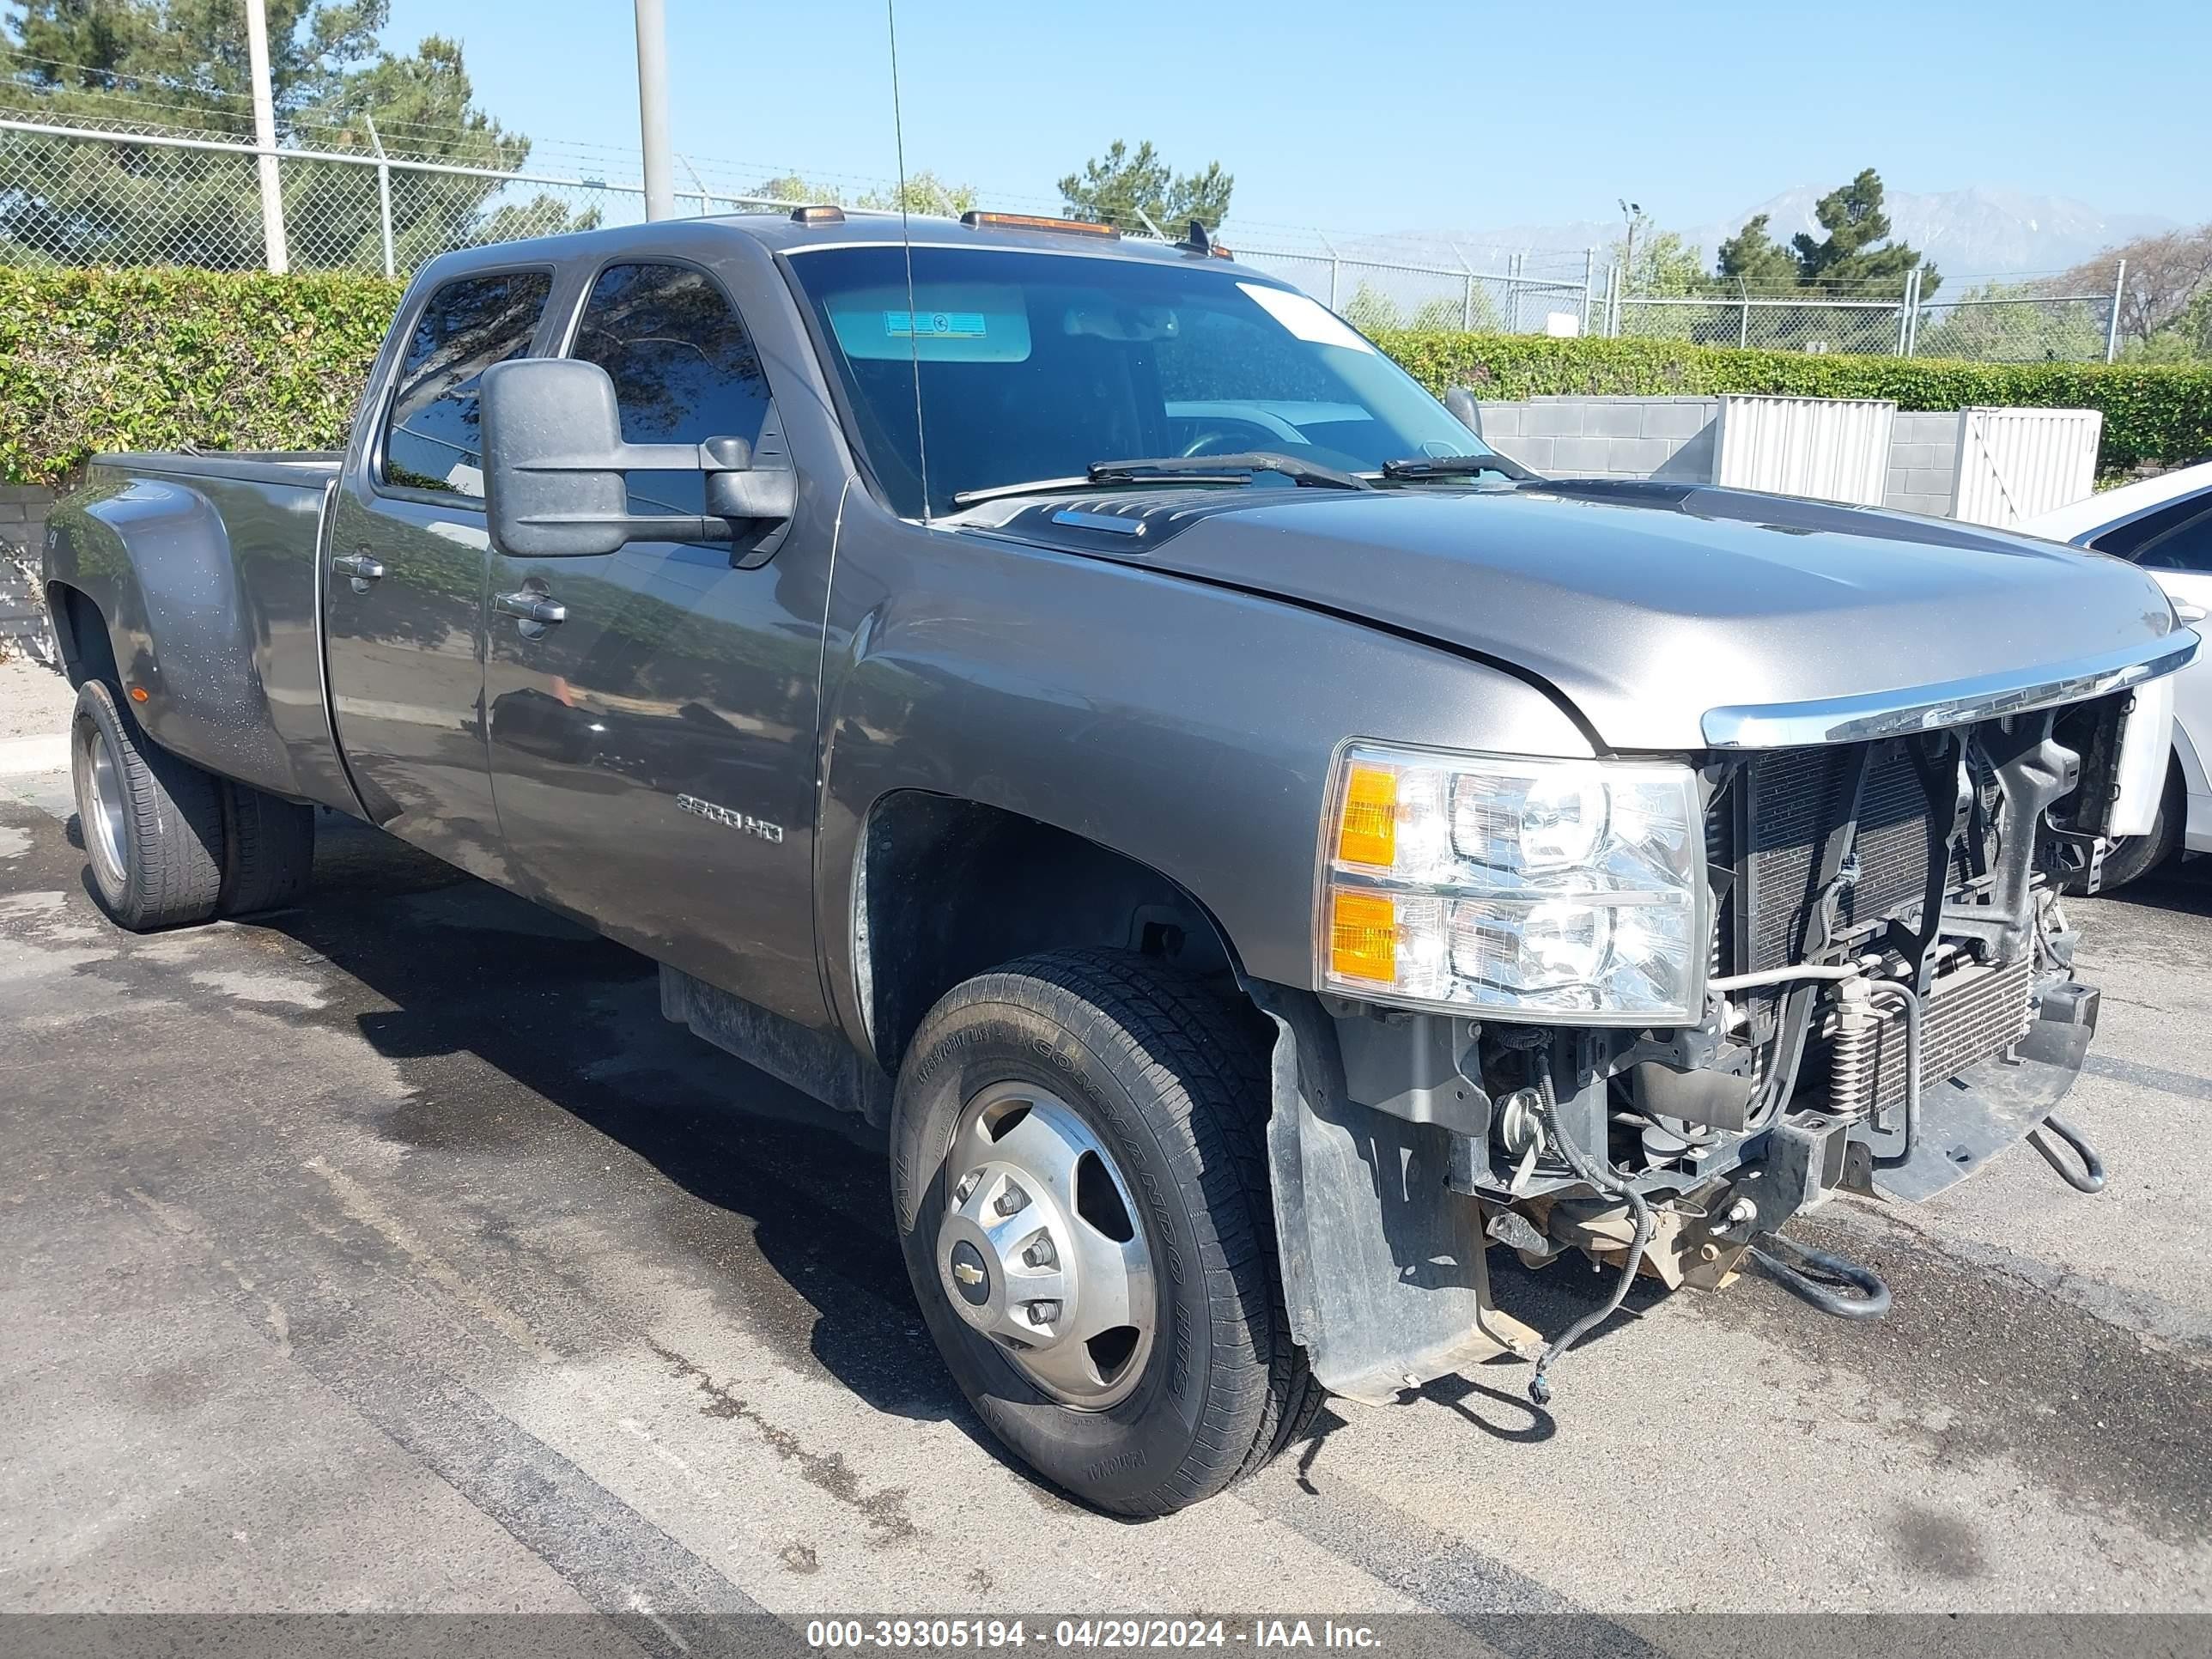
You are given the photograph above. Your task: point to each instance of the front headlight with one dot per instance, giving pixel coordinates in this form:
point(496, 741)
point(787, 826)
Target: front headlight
point(1566, 891)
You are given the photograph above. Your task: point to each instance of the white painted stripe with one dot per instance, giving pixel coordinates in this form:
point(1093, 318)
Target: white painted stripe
point(34, 754)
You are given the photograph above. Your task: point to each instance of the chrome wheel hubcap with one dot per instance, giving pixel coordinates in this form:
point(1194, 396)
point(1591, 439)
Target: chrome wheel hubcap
point(1041, 1249)
point(101, 806)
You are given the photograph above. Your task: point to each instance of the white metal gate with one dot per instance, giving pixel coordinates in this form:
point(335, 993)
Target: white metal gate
point(2016, 463)
point(1834, 449)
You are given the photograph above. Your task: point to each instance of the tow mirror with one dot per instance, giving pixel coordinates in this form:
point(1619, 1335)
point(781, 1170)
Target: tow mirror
point(556, 466)
point(1460, 403)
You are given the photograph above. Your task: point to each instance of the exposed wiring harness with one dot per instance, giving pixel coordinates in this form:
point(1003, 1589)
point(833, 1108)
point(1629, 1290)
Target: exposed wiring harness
point(1596, 1171)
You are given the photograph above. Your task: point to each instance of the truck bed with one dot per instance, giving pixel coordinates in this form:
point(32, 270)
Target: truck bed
point(216, 558)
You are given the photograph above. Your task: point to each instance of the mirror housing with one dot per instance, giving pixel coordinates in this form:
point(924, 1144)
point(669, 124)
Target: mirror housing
point(555, 467)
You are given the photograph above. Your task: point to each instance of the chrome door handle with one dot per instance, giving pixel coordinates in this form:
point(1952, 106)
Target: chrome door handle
point(530, 607)
point(359, 566)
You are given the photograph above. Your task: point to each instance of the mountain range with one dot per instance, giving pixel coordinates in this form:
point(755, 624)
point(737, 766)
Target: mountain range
point(1979, 231)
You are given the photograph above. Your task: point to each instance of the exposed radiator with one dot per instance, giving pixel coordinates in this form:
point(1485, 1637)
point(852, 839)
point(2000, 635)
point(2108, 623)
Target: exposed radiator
point(1796, 798)
point(1972, 1014)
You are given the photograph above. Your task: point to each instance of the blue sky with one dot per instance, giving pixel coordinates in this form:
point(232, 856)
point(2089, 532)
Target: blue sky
point(1389, 117)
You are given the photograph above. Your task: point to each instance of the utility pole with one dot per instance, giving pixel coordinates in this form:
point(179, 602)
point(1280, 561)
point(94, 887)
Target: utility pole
point(264, 138)
point(652, 110)
point(383, 191)
point(2113, 322)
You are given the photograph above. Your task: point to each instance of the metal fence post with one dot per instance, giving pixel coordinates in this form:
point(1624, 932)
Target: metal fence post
point(274, 252)
point(2112, 322)
point(1589, 276)
point(1743, 326)
point(1335, 266)
point(383, 193)
point(1466, 293)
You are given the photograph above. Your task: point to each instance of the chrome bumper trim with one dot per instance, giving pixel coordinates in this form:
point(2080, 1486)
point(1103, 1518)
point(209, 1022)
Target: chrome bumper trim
point(1956, 703)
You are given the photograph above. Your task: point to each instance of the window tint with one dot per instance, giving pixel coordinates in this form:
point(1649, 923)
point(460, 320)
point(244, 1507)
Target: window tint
point(2126, 540)
point(432, 442)
point(2185, 547)
point(684, 370)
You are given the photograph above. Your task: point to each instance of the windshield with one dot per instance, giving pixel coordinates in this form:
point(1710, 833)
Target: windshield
point(1034, 366)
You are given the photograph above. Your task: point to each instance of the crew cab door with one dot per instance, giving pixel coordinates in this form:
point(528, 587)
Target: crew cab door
point(651, 712)
point(404, 592)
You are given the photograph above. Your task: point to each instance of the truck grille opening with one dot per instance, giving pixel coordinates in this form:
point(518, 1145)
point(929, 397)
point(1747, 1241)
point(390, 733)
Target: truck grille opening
point(1771, 830)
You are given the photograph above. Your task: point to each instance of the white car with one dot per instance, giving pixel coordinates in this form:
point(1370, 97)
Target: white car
point(2164, 525)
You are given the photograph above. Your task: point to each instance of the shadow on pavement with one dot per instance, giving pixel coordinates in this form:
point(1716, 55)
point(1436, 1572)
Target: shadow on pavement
point(467, 971)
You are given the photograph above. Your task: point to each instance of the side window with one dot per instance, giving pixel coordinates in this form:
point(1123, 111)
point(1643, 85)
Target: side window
point(2128, 540)
point(2185, 547)
point(432, 441)
point(684, 369)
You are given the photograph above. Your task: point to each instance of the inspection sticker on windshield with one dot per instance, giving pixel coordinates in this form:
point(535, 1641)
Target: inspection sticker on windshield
point(934, 324)
point(1307, 319)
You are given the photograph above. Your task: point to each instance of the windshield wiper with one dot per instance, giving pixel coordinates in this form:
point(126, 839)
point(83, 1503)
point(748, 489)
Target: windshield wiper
point(1454, 467)
point(1225, 469)
point(1178, 470)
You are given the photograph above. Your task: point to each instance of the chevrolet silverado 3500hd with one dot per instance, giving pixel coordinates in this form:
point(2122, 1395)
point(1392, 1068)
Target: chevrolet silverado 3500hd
point(1081, 706)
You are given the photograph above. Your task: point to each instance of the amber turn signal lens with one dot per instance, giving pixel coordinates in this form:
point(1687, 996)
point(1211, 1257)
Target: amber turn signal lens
point(137, 693)
point(1363, 937)
point(1368, 832)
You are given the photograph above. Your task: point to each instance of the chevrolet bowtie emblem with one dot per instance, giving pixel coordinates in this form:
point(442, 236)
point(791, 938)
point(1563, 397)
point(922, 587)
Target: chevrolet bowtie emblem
point(966, 1274)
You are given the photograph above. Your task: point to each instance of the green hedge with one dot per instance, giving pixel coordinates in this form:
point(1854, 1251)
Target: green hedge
point(2158, 413)
point(93, 360)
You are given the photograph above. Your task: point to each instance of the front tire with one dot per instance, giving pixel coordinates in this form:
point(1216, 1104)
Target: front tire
point(152, 822)
point(1081, 1189)
point(2133, 857)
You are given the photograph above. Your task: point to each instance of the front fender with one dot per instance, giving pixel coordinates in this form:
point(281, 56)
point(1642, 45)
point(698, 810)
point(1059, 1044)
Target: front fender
point(1186, 726)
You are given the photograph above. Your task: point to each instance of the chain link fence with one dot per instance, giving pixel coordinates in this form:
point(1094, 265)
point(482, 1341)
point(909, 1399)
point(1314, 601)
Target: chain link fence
point(77, 195)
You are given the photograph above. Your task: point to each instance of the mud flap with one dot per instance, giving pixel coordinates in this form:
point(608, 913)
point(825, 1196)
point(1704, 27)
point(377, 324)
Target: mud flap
point(1967, 1121)
point(1384, 1270)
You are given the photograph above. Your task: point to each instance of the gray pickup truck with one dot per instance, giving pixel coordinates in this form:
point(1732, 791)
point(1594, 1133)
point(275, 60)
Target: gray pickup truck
point(1077, 705)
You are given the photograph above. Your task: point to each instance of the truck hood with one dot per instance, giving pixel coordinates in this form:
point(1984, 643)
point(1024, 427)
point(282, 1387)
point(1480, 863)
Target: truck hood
point(1648, 607)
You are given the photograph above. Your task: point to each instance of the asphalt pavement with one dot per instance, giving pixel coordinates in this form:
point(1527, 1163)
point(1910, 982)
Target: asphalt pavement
point(393, 1253)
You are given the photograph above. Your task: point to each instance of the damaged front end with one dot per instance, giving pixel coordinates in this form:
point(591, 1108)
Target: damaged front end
point(1886, 1001)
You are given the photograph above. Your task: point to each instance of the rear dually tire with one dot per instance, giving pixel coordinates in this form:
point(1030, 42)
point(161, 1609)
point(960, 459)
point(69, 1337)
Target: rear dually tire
point(152, 822)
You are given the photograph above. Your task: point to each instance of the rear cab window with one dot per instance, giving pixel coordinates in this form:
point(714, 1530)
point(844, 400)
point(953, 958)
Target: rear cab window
point(431, 438)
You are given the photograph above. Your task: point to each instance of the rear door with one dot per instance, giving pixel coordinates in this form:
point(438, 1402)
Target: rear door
point(404, 591)
point(652, 751)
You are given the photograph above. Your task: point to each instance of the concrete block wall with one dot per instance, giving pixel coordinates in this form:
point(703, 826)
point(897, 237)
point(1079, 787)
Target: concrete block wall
point(23, 510)
point(1676, 437)
point(1923, 463)
point(1605, 437)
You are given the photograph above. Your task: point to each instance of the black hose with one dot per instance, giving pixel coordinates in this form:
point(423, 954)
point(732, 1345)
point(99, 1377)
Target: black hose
point(1598, 1173)
point(1913, 1014)
point(2090, 1177)
point(1872, 1301)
